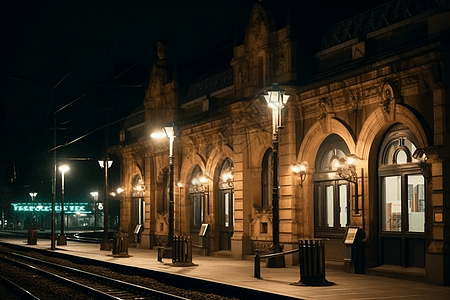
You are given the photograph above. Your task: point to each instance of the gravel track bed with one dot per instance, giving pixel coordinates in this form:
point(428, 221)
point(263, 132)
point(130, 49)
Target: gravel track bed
point(103, 271)
point(38, 285)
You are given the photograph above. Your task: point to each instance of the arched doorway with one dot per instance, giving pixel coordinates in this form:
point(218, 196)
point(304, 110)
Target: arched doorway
point(401, 201)
point(138, 207)
point(226, 204)
point(198, 189)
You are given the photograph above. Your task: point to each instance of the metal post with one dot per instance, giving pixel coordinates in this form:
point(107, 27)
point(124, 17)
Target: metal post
point(95, 214)
point(106, 245)
point(171, 208)
point(62, 203)
point(257, 272)
point(278, 261)
point(62, 237)
point(52, 247)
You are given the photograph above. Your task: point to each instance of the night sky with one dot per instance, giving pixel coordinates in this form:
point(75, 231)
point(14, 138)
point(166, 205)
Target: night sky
point(56, 53)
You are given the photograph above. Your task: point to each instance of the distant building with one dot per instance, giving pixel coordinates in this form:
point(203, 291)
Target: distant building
point(376, 86)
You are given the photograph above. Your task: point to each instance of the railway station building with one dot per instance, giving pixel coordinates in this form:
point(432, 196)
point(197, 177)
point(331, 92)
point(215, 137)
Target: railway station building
point(366, 118)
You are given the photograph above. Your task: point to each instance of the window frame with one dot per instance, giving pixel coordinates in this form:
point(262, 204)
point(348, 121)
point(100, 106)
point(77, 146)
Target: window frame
point(266, 181)
point(324, 174)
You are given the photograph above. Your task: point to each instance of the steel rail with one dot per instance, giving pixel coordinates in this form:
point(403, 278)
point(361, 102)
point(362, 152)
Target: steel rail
point(95, 284)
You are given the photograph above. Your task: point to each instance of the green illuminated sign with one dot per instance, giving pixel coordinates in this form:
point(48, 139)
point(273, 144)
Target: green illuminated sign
point(70, 208)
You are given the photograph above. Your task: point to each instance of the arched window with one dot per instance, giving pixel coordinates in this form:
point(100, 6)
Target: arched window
point(402, 184)
point(197, 197)
point(331, 193)
point(163, 201)
point(266, 180)
point(138, 203)
point(402, 200)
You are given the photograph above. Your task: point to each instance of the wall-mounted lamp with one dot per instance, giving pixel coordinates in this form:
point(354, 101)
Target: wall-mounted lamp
point(300, 170)
point(345, 167)
point(200, 184)
point(227, 177)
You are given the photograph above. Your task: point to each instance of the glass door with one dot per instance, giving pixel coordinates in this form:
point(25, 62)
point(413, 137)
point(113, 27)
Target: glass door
point(226, 219)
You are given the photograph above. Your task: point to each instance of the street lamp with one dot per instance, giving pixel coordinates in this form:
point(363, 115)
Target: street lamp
point(95, 196)
point(169, 131)
point(276, 99)
point(33, 196)
point(105, 245)
point(62, 237)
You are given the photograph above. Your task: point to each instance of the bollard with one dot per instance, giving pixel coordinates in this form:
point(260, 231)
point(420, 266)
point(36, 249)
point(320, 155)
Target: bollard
point(257, 273)
point(32, 237)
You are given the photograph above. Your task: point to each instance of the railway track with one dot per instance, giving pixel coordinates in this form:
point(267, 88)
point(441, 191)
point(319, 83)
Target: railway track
point(57, 282)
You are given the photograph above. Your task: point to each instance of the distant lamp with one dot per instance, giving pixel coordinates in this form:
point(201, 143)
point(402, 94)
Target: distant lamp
point(300, 170)
point(62, 238)
point(120, 190)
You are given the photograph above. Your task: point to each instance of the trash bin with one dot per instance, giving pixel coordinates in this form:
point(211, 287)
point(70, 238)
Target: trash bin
point(120, 244)
point(181, 249)
point(32, 236)
point(312, 263)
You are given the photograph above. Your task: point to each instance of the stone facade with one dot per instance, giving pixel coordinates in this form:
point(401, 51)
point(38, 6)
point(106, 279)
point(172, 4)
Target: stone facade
point(364, 90)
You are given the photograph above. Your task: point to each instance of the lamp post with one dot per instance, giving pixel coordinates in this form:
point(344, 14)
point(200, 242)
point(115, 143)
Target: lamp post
point(62, 237)
point(169, 131)
point(95, 196)
point(276, 99)
point(105, 245)
point(33, 196)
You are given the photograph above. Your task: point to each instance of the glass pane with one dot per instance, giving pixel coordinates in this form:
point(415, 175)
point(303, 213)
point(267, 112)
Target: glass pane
point(343, 205)
point(389, 154)
point(401, 158)
point(196, 208)
point(202, 208)
point(416, 203)
point(226, 204)
point(329, 206)
point(391, 203)
point(320, 206)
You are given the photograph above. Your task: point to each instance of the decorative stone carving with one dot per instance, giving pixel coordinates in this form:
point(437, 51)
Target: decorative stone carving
point(323, 108)
point(387, 100)
point(351, 99)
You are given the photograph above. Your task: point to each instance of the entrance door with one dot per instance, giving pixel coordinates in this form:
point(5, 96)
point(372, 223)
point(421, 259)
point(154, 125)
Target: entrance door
point(402, 235)
point(402, 201)
point(197, 215)
point(226, 218)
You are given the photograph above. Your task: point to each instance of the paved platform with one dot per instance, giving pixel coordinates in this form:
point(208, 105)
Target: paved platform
point(240, 273)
